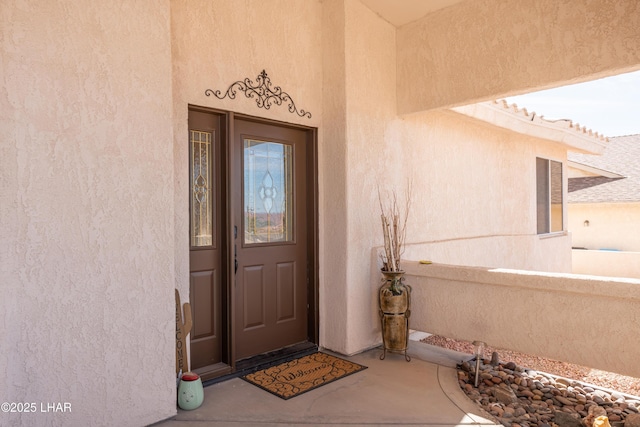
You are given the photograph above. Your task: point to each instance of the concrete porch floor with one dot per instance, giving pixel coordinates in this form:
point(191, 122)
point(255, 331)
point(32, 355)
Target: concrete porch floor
point(423, 392)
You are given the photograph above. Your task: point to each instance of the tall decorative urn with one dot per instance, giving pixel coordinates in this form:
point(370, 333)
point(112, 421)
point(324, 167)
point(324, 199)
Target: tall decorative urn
point(395, 309)
point(394, 297)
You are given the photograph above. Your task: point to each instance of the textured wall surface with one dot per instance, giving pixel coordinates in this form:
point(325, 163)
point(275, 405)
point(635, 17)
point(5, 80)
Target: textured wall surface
point(475, 190)
point(522, 251)
point(473, 184)
point(371, 157)
point(559, 316)
point(606, 263)
point(94, 170)
point(611, 225)
point(481, 50)
point(87, 305)
point(333, 186)
point(473, 200)
point(216, 43)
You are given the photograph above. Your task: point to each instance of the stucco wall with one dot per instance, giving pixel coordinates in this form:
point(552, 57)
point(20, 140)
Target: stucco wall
point(471, 179)
point(472, 183)
point(611, 225)
point(524, 251)
point(372, 150)
point(86, 201)
point(476, 202)
point(216, 43)
point(333, 185)
point(94, 197)
point(606, 263)
point(585, 320)
point(473, 199)
point(480, 50)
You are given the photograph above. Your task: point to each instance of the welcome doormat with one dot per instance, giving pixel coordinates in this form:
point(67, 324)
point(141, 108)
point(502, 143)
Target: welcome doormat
point(300, 375)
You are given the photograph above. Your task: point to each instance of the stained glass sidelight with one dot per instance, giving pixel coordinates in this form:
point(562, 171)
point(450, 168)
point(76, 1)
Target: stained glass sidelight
point(201, 191)
point(268, 192)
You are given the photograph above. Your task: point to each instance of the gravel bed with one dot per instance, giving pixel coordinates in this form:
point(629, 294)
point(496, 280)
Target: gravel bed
point(519, 397)
point(609, 380)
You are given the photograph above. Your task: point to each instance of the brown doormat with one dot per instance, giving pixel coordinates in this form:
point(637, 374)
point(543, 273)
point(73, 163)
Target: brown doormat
point(298, 376)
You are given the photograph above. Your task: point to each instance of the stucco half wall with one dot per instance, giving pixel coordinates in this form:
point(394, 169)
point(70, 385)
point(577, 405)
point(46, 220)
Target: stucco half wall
point(587, 320)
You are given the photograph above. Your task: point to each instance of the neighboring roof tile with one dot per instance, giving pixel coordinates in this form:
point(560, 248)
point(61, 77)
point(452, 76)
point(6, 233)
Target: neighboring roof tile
point(622, 156)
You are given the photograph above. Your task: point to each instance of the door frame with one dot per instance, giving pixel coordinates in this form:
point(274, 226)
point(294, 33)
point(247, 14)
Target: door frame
point(228, 151)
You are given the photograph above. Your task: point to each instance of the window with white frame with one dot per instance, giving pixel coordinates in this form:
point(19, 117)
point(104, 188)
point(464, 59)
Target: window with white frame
point(549, 196)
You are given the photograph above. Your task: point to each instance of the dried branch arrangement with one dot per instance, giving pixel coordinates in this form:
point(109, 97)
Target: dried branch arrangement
point(394, 229)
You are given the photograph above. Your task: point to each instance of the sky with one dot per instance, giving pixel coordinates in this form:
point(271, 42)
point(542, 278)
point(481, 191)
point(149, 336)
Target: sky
point(609, 106)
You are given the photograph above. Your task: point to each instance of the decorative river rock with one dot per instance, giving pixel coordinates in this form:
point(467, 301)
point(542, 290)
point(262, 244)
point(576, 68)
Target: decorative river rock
point(518, 397)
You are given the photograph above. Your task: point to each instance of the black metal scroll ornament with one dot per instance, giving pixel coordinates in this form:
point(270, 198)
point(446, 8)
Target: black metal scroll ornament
point(264, 95)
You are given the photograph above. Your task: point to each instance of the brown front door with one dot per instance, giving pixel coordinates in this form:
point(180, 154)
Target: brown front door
point(270, 237)
point(207, 277)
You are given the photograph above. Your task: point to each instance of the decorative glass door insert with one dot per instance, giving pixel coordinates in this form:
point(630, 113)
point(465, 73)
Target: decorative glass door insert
point(201, 191)
point(268, 192)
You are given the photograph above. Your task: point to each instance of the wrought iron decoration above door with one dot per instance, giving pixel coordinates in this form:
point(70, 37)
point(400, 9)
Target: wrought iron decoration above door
point(263, 93)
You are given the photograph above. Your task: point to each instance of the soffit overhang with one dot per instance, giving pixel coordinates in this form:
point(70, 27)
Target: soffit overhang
point(565, 132)
point(593, 170)
point(402, 12)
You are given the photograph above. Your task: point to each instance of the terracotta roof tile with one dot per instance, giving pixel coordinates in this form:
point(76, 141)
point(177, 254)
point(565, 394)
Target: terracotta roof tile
point(560, 124)
point(519, 120)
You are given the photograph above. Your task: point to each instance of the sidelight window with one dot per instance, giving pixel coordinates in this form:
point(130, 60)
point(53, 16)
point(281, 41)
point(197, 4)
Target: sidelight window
point(201, 190)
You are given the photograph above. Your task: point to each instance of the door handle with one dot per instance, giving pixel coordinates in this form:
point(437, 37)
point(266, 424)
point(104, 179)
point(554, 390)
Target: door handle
point(235, 259)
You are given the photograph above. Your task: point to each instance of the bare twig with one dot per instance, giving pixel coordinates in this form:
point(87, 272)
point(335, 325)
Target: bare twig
point(394, 229)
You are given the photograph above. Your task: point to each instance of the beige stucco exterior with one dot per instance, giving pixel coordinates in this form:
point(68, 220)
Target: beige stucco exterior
point(87, 211)
point(93, 164)
point(605, 225)
point(484, 304)
point(480, 50)
point(606, 263)
point(204, 32)
point(612, 226)
point(604, 212)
